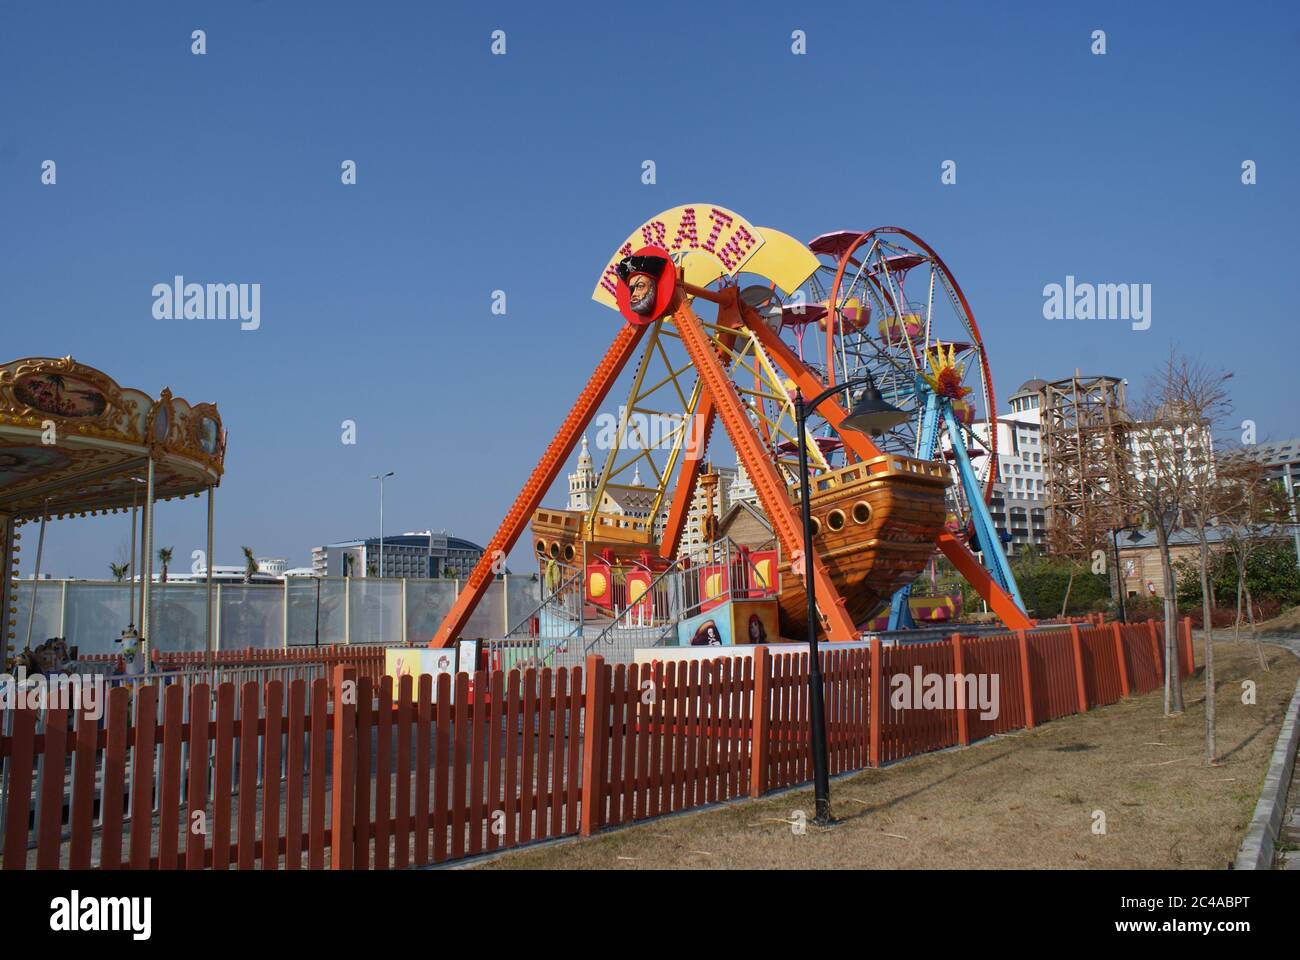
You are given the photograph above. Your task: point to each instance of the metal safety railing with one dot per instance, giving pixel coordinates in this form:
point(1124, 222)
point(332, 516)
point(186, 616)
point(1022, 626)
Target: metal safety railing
point(547, 630)
point(703, 578)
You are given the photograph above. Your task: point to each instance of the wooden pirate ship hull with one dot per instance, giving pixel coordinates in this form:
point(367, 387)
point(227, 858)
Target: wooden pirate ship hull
point(875, 524)
point(557, 535)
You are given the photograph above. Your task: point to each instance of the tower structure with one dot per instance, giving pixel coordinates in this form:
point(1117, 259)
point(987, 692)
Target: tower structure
point(1085, 426)
point(583, 481)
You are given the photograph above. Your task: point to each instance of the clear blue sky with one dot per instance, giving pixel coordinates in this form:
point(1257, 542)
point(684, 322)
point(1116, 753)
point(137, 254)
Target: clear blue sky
point(522, 172)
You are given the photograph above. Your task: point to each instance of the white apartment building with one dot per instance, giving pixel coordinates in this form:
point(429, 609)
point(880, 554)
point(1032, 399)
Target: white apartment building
point(1019, 505)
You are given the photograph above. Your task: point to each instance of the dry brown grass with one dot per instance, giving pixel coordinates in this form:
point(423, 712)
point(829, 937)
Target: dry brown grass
point(1025, 800)
point(1288, 622)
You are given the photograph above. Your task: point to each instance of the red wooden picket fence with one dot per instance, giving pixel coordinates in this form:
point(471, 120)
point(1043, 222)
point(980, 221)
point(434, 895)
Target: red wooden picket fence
point(355, 772)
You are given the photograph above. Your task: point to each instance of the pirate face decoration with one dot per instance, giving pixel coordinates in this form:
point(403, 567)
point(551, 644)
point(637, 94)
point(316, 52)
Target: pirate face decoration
point(646, 282)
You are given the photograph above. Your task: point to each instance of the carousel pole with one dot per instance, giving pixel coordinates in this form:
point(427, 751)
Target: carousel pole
point(130, 613)
point(137, 573)
point(146, 549)
point(208, 564)
point(36, 574)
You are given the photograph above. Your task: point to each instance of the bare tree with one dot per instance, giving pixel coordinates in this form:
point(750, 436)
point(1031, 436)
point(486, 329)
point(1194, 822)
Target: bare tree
point(1257, 506)
point(1194, 400)
point(1165, 459)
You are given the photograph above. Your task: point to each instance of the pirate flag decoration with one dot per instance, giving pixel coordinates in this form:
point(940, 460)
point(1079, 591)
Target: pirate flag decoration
point(646, 281)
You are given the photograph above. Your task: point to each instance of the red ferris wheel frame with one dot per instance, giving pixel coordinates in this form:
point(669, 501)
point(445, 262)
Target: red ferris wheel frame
point(846, 258)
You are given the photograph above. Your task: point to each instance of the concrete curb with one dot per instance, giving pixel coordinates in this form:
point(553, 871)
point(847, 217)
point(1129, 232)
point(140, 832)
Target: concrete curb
point(1257, 847)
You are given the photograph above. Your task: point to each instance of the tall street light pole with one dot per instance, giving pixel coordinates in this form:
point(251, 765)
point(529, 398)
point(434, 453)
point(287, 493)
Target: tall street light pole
point(381, 477)
point(870, 414)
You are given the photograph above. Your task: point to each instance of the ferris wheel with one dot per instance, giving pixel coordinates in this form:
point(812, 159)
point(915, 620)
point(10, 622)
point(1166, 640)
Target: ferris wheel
point(885, 304)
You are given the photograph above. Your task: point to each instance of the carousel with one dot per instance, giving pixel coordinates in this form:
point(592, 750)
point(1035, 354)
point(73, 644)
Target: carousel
point(74, 443)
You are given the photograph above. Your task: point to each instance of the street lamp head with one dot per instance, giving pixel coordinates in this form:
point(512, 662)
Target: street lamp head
point(873, 414)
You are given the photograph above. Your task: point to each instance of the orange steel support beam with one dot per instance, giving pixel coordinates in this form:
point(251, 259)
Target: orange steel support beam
point(767, 482)
point(697, 444)
point(967, 564)
point(539, 481)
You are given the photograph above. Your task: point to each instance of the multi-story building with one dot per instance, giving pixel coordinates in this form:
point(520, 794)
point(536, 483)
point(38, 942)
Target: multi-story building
point(1281, 458)
point(1019, 502)
point(418, 555)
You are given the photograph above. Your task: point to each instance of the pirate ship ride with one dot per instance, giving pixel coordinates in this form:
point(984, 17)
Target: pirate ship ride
point(881, 505)
point(874, 526)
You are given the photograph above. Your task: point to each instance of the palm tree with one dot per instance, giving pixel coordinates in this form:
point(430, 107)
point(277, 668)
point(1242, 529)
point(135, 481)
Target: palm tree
point(164, 558)
point(250, 564)
point(119, 570)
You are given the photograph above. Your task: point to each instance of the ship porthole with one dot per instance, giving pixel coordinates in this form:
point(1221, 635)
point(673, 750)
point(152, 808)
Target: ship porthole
point(861, 512)
point(835, 519)
point(555, 550)
point(569, 553)
point(541, 548)
point(816, 526)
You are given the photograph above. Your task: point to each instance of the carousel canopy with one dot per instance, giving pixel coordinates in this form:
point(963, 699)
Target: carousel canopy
point(72, 440)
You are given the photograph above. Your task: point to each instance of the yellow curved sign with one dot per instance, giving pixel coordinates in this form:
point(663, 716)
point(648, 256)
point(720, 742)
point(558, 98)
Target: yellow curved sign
point(783, 260)
point(712, 240)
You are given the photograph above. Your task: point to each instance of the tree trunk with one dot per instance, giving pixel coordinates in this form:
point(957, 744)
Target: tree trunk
point(1207, 623)
point(1068, 585)
point(1254, 634)
point(1173, 686)
point(1241, 582)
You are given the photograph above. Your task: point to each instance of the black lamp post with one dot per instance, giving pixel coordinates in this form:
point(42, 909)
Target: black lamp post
point(1134, 537)
point(873, 415)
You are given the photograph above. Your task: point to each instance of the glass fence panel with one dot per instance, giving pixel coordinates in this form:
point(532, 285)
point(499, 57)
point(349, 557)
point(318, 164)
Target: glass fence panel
point(302, 612)
point(96, 615)
point(316, 610)
point(427, 602)
point(523, 594)
point(252, 615)
point(374, 610)
point(178, 618)
point(489, 619)
point(46, 624)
